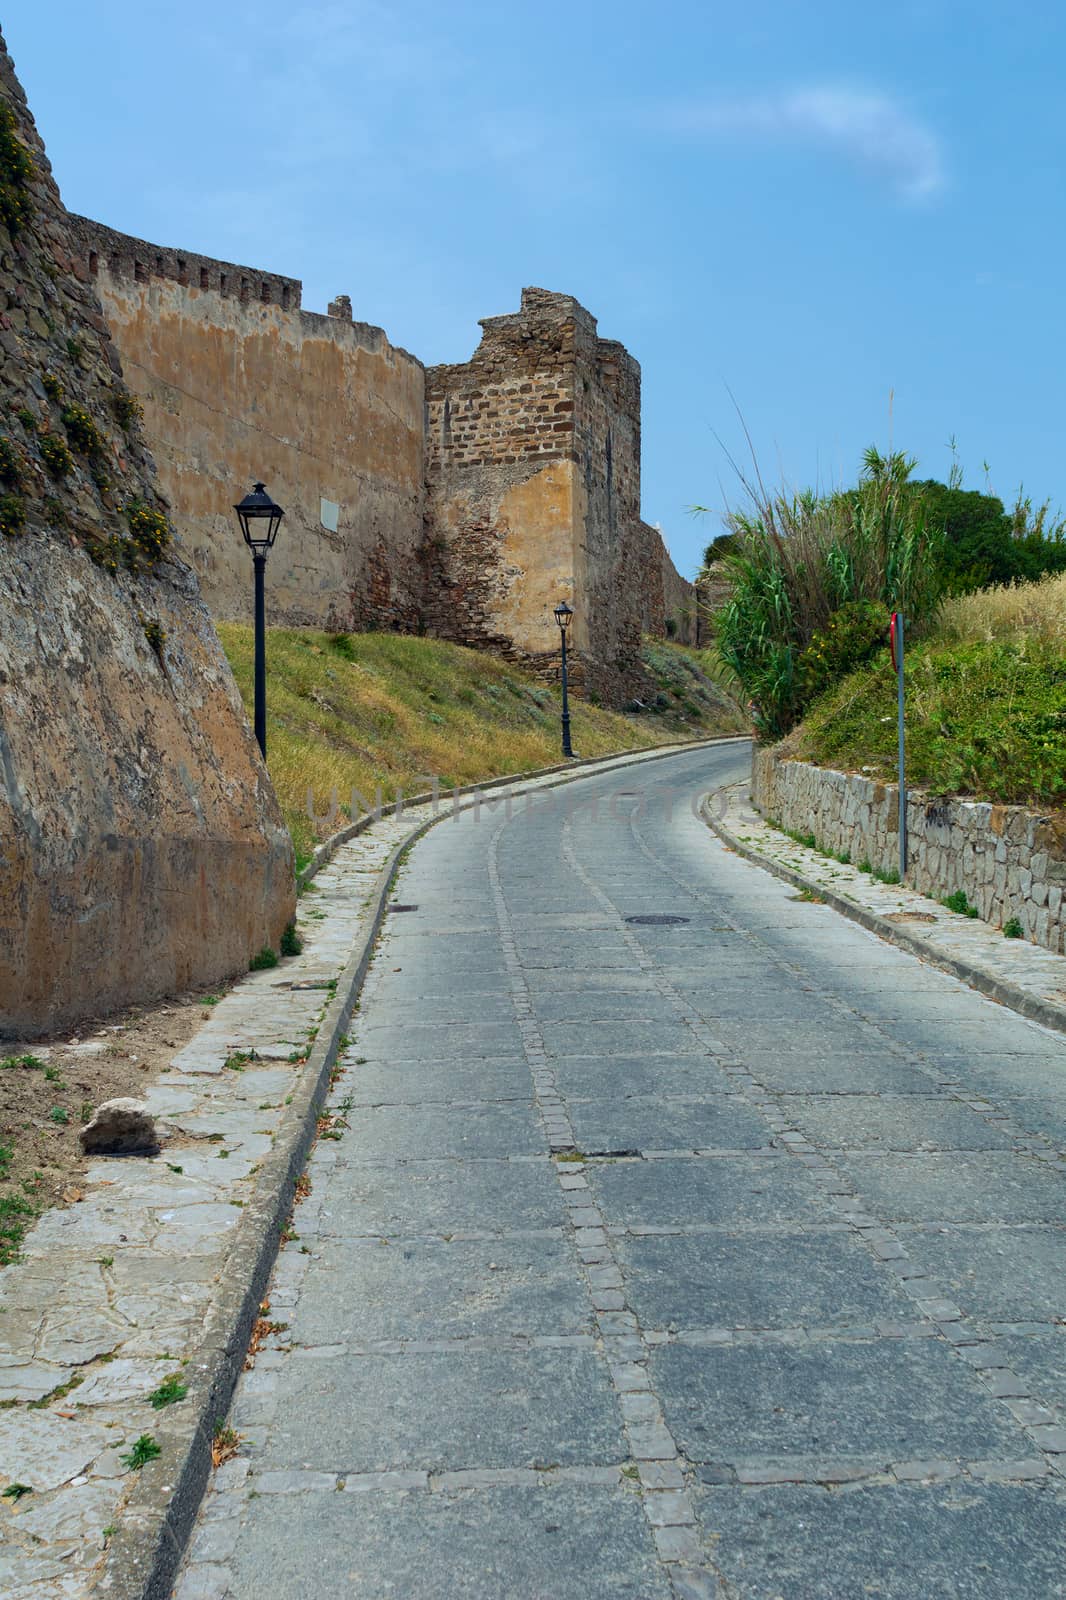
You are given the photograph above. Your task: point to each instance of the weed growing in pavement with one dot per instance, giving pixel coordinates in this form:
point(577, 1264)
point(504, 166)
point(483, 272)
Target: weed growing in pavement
point(169, 1392)
point(140, 1453)
point(959, 903)
point(291, 943)
point(60, 1392)
point(266, 959)
point(1012, 929)
point(15, 1491)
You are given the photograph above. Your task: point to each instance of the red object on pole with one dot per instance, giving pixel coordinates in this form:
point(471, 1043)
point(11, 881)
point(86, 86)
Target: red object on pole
point(892, 640)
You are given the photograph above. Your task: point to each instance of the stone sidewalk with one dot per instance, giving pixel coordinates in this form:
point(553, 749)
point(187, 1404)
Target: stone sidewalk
point(110, 1298)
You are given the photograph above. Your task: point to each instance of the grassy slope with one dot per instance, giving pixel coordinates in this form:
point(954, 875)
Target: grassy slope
point(367, 709)
point(986, 703)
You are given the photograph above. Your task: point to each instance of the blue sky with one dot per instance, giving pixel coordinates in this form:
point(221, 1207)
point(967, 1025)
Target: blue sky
point(812, 207)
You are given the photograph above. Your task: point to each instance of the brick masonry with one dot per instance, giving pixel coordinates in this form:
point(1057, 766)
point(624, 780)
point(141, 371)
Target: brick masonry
point(1009, 861)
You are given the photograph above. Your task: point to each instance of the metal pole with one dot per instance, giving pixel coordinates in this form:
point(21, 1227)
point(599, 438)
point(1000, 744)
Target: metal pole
point(901, 748)
point(259, 561)
point(567, 751)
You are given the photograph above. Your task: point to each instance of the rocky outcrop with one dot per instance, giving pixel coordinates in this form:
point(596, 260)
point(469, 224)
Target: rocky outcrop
point(141, 845)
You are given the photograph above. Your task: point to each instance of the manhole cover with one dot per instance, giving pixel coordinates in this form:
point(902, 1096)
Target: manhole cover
point(402, 908)
point(657, 920)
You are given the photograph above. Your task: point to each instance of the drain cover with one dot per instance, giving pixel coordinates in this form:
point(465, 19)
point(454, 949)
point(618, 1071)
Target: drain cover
point(403, 908)
point(657, 920)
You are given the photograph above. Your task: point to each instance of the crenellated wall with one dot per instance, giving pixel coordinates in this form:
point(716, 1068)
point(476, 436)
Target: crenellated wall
point(464, 502)
point(239, 383)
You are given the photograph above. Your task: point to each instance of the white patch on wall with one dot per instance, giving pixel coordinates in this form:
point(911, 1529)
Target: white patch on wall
point(329, 516)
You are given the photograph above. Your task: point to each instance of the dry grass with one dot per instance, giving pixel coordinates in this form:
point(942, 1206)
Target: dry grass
point(358, 711)
point(1009, 611)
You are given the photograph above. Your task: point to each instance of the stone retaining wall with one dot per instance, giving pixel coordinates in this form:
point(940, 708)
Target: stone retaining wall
point(1011, 862)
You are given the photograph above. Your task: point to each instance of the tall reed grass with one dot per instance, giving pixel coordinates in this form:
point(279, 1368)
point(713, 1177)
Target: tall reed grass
point(797, 560)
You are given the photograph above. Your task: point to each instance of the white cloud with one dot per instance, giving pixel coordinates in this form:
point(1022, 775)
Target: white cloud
point(869, 127)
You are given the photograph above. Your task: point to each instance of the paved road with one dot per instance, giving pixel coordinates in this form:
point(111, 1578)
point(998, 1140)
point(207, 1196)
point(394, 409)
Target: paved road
point(793, 1327)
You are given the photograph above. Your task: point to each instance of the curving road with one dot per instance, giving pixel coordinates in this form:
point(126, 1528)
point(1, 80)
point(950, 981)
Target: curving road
point(794, 1325)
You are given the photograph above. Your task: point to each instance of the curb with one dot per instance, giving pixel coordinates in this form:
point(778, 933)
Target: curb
point(999, 989)
point(649, 752)
point(143, 1556)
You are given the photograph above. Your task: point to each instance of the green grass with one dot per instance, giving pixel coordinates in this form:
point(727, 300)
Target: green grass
point(984, 719)
point(15, 1217)
point(360, 710)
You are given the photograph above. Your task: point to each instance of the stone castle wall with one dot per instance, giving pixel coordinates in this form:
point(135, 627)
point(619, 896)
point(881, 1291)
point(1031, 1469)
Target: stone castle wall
point(239, 383)
point(1009, 861)
point(464, 502)
point(533, 496)
point(141, 846)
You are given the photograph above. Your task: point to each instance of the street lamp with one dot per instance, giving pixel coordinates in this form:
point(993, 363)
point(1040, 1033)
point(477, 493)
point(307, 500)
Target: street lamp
point(564, 616)
point(259, 518)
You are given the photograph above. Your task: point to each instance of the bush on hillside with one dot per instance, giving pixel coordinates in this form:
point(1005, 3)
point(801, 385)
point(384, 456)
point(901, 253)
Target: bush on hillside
point(983, 719)
point(799, 560)
point(984, 544)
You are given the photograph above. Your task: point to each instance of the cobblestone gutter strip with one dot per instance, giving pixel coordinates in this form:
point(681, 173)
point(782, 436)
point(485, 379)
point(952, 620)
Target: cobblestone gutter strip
point(579, 766)
point(145, 1550)
point(1028, 979)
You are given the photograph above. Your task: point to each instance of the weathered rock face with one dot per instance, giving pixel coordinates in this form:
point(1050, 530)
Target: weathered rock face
point(141, 845)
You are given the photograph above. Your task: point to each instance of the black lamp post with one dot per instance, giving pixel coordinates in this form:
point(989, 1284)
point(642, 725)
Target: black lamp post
point(564, 616)
point(259, 518)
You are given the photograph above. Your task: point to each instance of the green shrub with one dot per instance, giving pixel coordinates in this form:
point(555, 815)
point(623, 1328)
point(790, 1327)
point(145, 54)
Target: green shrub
point(55, 455)
point(799, 561)
point(127, 408)
point(12, 514)
point(16, 173)
point(81, 430)
point(264, 960)
point(855, 632)
point(983, 719)
point(10, 463)
point(53, 387)
point(155, 633)
point(27, 418)
point(1012, 929)
point(149, 529)
point(960, 904)
point(291, 943)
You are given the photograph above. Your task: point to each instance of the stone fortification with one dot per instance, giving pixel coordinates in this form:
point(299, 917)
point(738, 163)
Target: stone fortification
point(465, 502)
point(533, 477)
point(239, 383)
point(141, 846)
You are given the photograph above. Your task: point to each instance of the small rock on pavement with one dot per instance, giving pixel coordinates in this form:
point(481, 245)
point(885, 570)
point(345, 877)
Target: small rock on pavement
point(118, 1128)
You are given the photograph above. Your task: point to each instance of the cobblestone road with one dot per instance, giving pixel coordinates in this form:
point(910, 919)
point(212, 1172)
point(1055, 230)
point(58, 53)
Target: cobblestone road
point(719, 1256)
